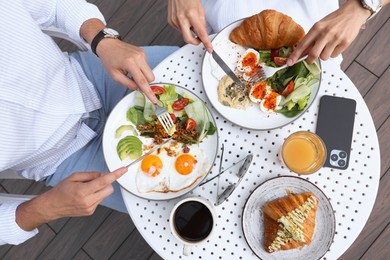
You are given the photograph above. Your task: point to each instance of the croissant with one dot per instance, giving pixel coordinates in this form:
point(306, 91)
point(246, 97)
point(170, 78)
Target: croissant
point(267, 30)
point(289, 222)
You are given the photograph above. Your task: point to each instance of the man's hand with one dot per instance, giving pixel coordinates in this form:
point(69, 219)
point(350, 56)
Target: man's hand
point(188, 16)
point(77, 195)
point(333, 34)
point(120, 58)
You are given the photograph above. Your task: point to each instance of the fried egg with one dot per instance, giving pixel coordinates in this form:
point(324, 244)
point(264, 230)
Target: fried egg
point(187, 169)
point(153, 173)
point(249, 63)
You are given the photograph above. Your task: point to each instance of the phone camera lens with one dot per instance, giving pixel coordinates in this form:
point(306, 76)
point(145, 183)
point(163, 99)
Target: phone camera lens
point(341, 163)
point(343, 154)
point(334, 157)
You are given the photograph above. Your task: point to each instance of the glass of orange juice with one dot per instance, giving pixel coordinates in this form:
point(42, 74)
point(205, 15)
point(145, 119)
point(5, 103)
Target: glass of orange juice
point(303, 152)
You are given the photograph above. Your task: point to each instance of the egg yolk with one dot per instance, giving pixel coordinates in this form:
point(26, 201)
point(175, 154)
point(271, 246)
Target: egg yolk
point(271, 101)
point(151, 165)
point(259, 90)
point(185, 164)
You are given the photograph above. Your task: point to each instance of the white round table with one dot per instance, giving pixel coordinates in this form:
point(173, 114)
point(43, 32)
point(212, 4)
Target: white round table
point(352, 192)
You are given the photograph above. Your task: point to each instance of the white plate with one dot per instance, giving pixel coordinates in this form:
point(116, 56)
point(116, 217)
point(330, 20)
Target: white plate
point(253, 222)
point(117, 118)
point(252, 117)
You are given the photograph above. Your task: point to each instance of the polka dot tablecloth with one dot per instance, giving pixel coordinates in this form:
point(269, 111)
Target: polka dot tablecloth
point(352, 192)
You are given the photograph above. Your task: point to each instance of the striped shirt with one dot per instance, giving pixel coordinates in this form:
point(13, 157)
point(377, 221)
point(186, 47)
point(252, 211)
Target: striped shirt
point(44, 94)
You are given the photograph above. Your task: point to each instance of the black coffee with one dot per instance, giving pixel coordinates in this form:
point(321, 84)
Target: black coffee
point(193, 221)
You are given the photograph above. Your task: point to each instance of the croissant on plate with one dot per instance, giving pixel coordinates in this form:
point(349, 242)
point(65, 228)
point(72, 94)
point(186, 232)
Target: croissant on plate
point(267, 30)
point(289, 222)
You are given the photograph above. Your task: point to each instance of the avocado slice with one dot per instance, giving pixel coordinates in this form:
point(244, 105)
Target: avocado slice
point(130, 146)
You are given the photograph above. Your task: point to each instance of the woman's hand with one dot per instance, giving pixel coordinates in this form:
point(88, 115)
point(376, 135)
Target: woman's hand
point(333, 34)
point(188, 16)
point(77, 195)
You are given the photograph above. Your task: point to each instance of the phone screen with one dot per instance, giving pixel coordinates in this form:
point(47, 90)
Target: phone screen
point(335, 122)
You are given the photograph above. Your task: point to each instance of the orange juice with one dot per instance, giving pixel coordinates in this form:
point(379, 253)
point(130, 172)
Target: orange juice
point(303, 152)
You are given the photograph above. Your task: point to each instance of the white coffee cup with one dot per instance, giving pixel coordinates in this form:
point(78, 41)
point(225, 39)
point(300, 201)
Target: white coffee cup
point(192, 221)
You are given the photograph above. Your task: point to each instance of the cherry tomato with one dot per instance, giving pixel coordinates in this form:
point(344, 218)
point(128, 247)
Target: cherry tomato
point(180, 104)
point(190, 124)
point(173, 117)
point(280, 61)
point(157, 90)
point(288, 89)
point(274, 53)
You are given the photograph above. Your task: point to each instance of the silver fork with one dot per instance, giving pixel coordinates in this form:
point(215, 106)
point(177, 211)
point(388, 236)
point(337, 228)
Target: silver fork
point(165, 118)
point(266, 72)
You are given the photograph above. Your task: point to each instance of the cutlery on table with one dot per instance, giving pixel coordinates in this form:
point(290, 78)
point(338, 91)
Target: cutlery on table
point(266, 72)
point(226, 69)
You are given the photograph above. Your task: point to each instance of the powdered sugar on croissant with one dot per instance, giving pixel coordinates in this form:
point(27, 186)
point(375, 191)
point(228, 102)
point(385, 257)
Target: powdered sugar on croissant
point(267, 30)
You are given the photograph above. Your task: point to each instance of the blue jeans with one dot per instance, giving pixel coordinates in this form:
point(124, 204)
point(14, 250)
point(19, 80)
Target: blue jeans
point(90, 157)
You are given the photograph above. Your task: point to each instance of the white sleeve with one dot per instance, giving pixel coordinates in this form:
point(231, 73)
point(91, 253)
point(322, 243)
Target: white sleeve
point(68, 15)
point(10, 232)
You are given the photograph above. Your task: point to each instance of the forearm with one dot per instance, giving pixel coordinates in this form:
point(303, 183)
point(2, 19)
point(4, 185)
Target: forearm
point(90, 28)
point(32, 214)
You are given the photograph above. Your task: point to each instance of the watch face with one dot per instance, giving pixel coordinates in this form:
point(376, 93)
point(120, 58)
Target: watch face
point(373, 4)
point(110, 32)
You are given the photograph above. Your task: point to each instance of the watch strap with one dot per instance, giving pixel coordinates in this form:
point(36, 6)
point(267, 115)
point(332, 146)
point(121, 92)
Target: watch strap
point(100, 36)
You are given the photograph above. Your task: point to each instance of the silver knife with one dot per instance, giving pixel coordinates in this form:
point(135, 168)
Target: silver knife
point(149, 152)
point(226, 68)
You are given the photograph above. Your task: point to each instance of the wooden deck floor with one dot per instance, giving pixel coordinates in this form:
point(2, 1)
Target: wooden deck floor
point(112, 235)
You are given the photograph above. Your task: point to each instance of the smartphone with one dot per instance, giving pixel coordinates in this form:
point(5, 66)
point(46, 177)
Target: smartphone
point(335, 122)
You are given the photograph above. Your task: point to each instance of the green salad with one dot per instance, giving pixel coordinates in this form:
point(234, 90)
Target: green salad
point(190, 116)
point(293, 83)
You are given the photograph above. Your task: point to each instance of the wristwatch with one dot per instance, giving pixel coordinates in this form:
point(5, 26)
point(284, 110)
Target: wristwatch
point(105, 33)
point(372, 5)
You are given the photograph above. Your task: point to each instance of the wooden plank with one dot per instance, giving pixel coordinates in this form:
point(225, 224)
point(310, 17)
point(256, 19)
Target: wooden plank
point(128, 16)
point(115, 229)
point(376, 223)
point(155, 256)
point(110, 8)
point(376, 55)
point(361, 77)
point(18, 186)
point(364, 37)
point(3, 250)
point(377, 99)
point(384, 140)
point(380, 250)
point(149, 26)
point(74, 235)
point(134, 247)
point(168, 36)
point(81, 255)
point(32, 248)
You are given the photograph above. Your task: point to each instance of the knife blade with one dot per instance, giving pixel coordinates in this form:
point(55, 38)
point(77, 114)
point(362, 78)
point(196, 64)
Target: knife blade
point(149, 152)
point(226, 68)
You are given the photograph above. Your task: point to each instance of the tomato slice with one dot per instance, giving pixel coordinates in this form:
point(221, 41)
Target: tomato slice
point(180, 104)
point(190, 124)
point(280, 61)
point(157, 90)
point(288, 89)
point(173, 117)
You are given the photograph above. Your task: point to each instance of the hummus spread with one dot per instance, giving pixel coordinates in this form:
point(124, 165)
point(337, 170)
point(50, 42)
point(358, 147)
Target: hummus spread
point(232, 95)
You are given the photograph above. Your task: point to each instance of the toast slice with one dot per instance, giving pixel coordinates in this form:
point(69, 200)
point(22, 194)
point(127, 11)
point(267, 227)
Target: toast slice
point(289, 222)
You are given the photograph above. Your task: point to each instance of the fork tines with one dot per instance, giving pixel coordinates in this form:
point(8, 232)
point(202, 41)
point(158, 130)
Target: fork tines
point(259, 75)
point(166, 121)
